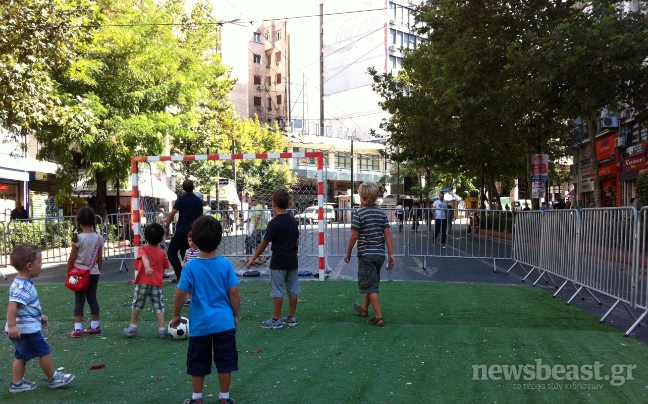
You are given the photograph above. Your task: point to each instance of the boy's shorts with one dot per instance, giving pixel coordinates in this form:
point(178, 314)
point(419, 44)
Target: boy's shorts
point(199, 354)
point(30, 346)
point(143, 291)
point(369, 273)
point(281, 279)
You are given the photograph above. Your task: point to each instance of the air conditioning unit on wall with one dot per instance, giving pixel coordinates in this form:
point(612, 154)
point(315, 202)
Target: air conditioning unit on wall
point(620, 142)
point(392, 48)
point(610, 122)
point(259, 87)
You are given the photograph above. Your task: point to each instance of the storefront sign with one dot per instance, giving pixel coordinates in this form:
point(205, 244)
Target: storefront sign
point(632, 164)
point(634, 150)
point(4, 187)
point(609, 169)
point(605, 150)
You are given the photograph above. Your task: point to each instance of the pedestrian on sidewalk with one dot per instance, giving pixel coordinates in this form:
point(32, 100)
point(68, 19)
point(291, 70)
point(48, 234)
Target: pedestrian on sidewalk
point(440, 219)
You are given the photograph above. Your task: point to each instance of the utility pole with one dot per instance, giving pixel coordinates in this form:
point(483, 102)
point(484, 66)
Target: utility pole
point(321, 123)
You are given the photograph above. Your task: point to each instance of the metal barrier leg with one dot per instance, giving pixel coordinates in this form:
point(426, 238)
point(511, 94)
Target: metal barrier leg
point(609, 311)
point(509, 270)
point(630, 312)
point(528, 273)
point(123, 265)
point(574, 295)
point(494, 265)
point(3, 275)
point(425, 262)
point(636, 323)
point(560, 288)
point(542, 274)
point(594, 297)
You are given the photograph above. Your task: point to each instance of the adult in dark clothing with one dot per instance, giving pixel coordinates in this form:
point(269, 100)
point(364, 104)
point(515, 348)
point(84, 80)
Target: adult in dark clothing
point(189, 207)
point(19, 212)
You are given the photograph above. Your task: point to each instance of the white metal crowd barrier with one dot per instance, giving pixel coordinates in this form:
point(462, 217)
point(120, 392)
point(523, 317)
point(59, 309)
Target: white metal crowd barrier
point(595, 250)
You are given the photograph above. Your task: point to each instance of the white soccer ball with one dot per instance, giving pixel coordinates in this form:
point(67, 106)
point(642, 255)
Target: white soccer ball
point(182, 332)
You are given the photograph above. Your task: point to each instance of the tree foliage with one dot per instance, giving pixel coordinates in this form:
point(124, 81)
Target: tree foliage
point(491, 68)
point(38, 37)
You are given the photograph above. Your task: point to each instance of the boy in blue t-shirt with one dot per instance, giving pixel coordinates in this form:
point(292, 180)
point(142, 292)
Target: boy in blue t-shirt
point(214, 313)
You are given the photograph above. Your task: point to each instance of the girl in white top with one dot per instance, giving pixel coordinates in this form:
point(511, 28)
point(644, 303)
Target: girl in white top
point(83, 249)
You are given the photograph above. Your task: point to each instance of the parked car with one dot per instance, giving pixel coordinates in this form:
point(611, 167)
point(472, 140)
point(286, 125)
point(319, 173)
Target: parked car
point(310, 215)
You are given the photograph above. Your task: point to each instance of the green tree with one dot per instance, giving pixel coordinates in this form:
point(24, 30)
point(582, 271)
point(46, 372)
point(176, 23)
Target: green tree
point(38, 37)
point(574, 63)
point(151, 72)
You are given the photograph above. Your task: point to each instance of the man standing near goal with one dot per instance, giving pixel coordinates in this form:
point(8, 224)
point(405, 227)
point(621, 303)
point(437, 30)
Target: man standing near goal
point(189, 208)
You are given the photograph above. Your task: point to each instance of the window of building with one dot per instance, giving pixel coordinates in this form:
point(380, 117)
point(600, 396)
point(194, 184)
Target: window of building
point(257, 101)
point(269, 104)
point(279, 99)
point(257, 80)
point(279, 36)
point(278, 79)
point(257, 37)
point(392, 36)
point(268, 81)
point(399, 39)
point(343, 160)
point(367, 162)
point(269, 122)
point(257, 59)
point(277, 57)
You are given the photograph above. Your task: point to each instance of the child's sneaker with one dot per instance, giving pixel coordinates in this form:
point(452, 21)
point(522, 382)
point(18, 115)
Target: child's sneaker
point(59, 380)
point(289, 321)
point(76, 334)
point(164, 333)
point(226, 401)
point(24, 385)
point(272, 323)
point(130, 331)
point(93, 331)
point(187, 303)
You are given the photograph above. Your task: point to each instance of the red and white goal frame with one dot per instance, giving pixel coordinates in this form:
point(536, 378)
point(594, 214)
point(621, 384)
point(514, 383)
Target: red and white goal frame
point(317, 155)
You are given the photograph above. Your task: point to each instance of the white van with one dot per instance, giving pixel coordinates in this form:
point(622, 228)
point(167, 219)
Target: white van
point(310, 215)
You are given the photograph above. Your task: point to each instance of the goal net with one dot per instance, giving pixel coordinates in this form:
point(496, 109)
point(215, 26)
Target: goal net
point(226, 183)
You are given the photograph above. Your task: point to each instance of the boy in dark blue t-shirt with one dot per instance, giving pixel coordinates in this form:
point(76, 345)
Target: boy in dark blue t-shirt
point(283, 233)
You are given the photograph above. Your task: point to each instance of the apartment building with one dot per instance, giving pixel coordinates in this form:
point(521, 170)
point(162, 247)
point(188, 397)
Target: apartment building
point(310, 77)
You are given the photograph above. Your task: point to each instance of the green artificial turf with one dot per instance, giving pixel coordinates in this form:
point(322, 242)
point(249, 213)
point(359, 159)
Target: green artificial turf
point(433, 336)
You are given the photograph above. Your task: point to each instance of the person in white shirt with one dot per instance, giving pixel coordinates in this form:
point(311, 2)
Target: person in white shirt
point(440, 219)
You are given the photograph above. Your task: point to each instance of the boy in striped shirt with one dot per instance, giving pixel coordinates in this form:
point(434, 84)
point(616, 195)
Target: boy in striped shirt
point(370, 228)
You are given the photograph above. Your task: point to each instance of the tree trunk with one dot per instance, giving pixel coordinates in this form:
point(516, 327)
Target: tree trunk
point(591, 127)
point(492, 190)
point(102, 190)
